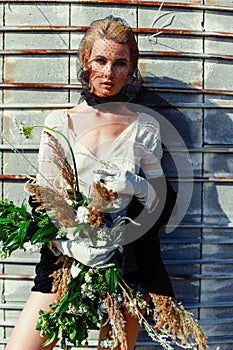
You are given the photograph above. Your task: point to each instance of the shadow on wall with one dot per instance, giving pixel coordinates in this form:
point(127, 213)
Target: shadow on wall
point(214, 127)
point(208, 204)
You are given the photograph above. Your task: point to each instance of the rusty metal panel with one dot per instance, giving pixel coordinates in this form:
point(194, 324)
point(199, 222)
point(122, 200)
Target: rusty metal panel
point(20, 13)
point(186, 56)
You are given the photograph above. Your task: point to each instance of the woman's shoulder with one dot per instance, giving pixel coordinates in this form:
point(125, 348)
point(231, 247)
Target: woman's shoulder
point(148, 132)
point(147, 123)
point(56, 117)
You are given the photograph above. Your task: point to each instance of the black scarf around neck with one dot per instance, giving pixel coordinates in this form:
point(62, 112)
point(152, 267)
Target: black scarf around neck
point(126, 94)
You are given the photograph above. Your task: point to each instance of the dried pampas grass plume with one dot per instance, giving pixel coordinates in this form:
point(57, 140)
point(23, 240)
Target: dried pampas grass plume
point(53, 203)
point(60, 160)
point(173, 320)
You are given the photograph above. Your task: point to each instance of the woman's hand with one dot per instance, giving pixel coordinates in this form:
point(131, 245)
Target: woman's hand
point(127, 183)
point(84, 252)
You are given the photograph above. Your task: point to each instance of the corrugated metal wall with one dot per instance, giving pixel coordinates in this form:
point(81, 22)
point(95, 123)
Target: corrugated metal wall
point(190, 64)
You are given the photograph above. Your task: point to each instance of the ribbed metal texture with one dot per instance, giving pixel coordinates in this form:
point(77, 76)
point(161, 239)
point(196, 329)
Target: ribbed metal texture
point(186, 53)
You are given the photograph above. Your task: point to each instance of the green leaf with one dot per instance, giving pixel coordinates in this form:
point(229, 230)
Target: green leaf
point(5, 221)
point(22, 231)
point(12, 240)
point(50, 339)
point(63, 305)
point(80, 227)
point(111, 278)
point(72, 333)
point(24, 208)
point(45, 234)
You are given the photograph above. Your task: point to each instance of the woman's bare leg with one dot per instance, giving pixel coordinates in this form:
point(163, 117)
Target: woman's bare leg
point(24, 335)
point(131, 328)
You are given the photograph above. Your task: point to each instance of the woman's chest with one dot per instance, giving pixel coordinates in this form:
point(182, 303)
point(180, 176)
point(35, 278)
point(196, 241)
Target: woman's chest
point(99, 139)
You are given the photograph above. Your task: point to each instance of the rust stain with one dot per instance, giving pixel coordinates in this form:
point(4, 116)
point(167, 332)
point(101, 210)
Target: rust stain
point(16, 177)
point(185, 277)
point(182, 32)
point(142, 66)
point(196, 90)
point(50, 28)
point(21, 277)
point(10, 84)
point(193, 4)
point(198, 81)
point(10, 67)
point(212, 2)
point(6, 129)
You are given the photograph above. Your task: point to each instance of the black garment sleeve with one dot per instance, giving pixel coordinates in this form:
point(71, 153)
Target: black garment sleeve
point(142, 262)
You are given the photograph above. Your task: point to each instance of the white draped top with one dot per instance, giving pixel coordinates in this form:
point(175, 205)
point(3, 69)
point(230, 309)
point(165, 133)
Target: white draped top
point(137, 147)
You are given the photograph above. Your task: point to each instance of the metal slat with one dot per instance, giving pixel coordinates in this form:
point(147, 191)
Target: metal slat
point(224, 58)
point(206, 149)
point(164, 54)
point(82, 29)
point(6, 177)
point(168, 89)
point(187, 105)
point(197, 5)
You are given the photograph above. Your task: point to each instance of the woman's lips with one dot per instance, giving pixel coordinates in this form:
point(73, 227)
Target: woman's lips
point(107, 84)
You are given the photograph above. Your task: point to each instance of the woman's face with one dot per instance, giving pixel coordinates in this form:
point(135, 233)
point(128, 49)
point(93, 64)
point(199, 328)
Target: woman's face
point(109, 65)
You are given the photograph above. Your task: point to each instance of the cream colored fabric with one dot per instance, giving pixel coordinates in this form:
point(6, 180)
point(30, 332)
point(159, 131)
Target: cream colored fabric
point(138, 146)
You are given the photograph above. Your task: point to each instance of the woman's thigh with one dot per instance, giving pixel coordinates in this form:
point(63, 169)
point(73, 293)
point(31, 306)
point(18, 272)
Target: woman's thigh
point(131, 330)
point(132, 327)
point(25, 336)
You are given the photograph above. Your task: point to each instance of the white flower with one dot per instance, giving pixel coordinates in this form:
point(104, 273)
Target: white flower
point(84, 289)
point(91, 296)
point(33, 248)
point(103, 234)
point(87, 291)
point(87, 278)
point(62, 232)
point(75, 270)
point(109, 343)
point(82, 215)
point(82, 309)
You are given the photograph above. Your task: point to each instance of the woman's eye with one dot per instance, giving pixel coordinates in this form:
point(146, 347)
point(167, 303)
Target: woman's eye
point(100, 61)
point(120, 63)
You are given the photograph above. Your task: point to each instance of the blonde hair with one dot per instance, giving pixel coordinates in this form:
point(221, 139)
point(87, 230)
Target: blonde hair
point(110, 28)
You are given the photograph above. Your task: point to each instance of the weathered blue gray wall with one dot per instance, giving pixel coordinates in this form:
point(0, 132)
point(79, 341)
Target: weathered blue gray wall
point(190, 64)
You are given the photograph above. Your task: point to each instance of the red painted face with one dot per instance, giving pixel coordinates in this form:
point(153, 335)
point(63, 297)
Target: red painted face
point(109, 65)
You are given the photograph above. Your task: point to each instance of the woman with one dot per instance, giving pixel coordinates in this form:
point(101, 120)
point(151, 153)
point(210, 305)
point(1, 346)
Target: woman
point(131, 141)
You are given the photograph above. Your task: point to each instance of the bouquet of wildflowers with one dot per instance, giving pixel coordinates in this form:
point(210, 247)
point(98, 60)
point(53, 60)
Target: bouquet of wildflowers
point(86, 297)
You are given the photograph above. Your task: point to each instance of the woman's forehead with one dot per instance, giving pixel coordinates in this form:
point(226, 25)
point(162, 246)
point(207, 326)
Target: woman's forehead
point(105, 47)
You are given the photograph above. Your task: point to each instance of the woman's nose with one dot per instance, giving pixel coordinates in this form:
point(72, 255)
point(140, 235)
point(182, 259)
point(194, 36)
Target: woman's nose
point(108, 70)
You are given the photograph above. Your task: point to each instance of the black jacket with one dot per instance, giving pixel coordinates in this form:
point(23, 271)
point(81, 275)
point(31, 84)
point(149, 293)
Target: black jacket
point(142, 262)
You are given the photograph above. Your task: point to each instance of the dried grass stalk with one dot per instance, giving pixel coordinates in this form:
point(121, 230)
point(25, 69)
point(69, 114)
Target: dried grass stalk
point(95, 217)
point(51, 201)
point(171, 318)
point(62, 277)
point(60, 160)
point(117, 318)
point(102, 196)
point(104, 193)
